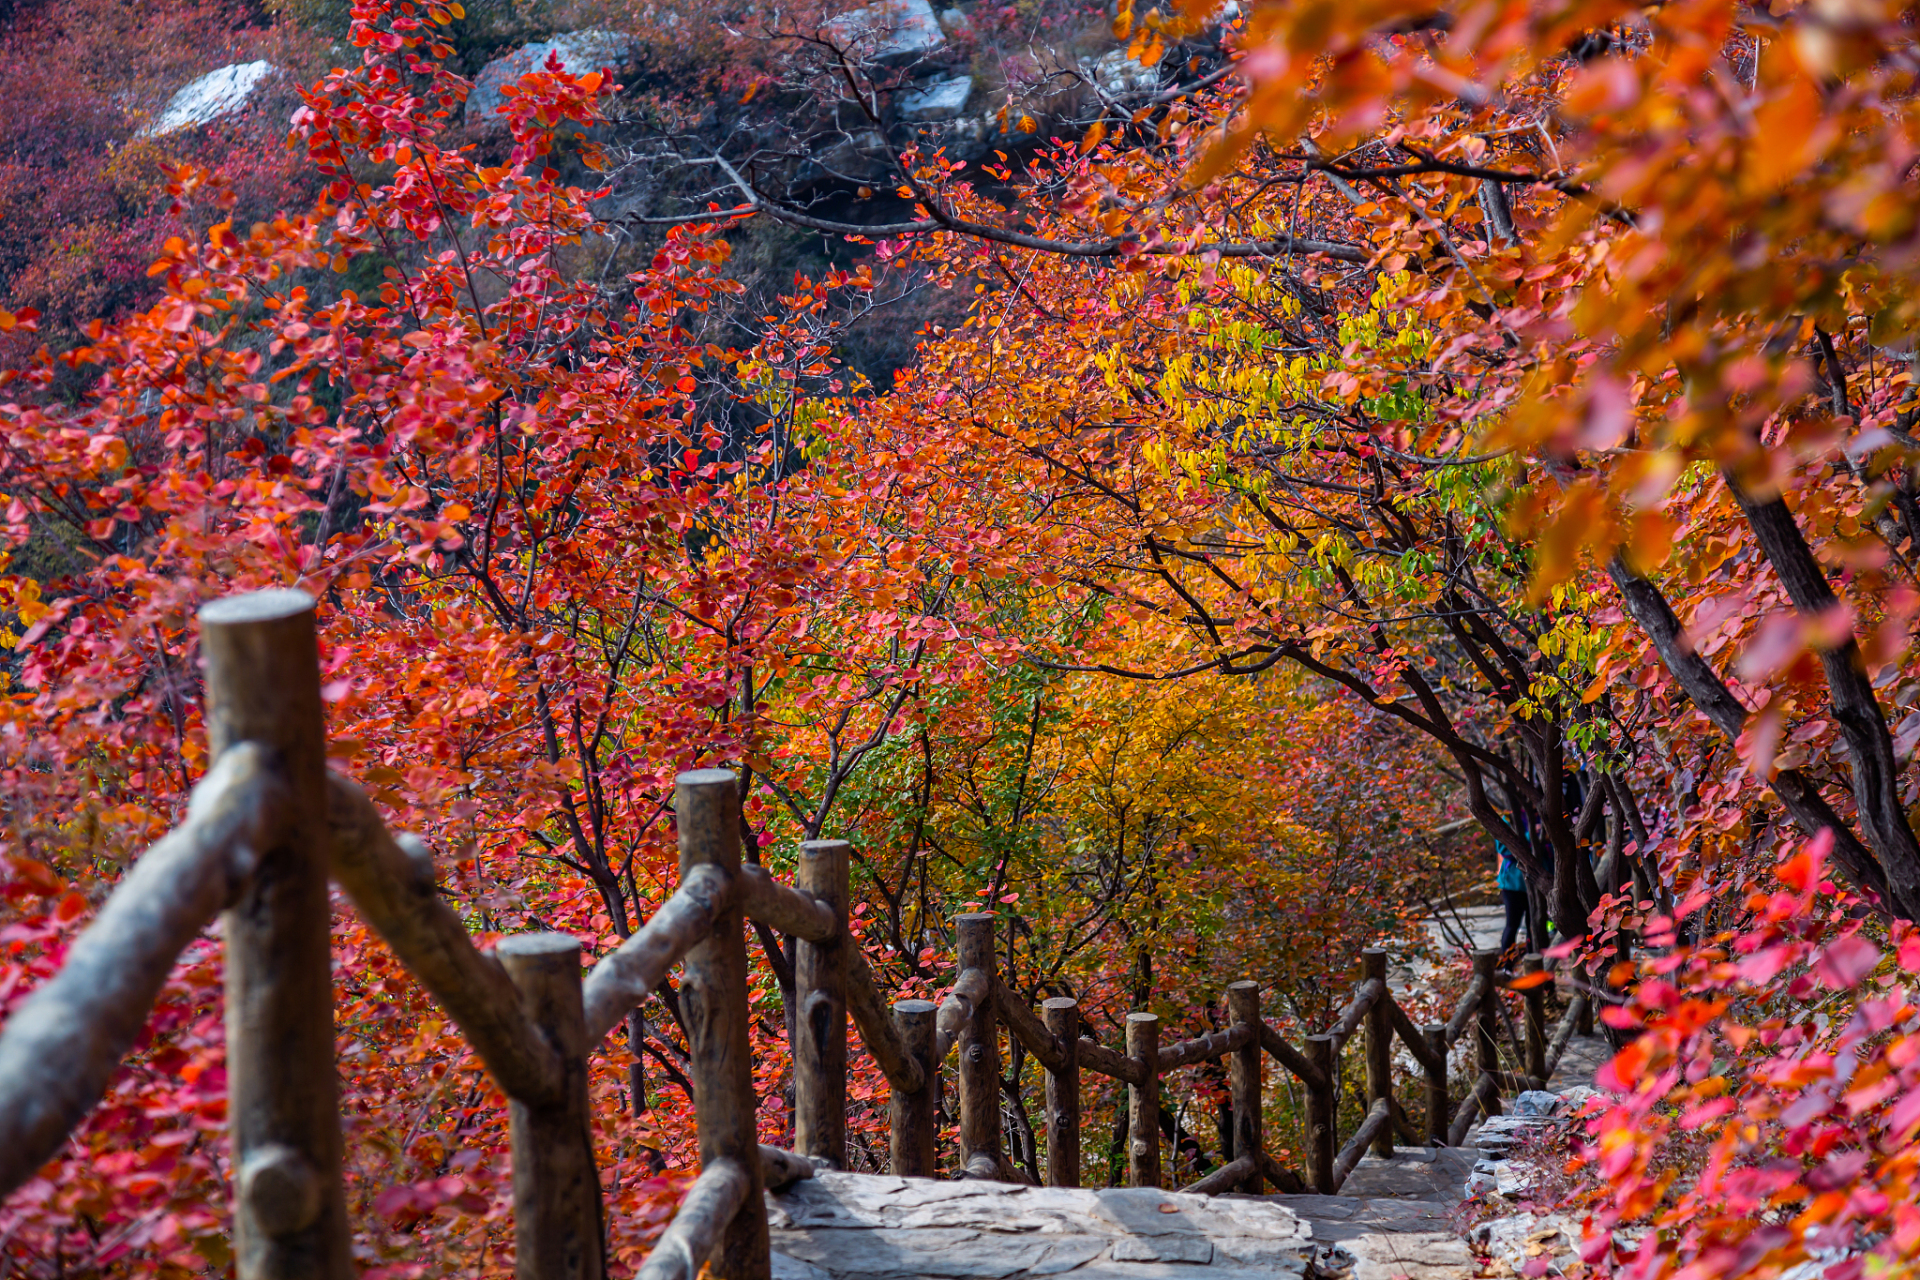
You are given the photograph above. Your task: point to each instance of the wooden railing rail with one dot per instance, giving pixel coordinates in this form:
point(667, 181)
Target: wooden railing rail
point(63, 1043)
point(267, 826)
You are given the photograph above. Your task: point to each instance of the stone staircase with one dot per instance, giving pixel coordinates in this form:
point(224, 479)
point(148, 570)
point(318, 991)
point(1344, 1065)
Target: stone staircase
point(1395, 1217)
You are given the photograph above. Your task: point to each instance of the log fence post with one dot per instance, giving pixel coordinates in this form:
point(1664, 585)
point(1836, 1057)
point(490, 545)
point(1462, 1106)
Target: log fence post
point(713, 1000)
point(558, 1224)
point(1143, 1102)
point(1243, 1081)
point(1373, 966)
point(1321, 1098)
point(1536, 1018)
point(1583, 1015)
point(1486, 1046)
point(290, 1210)
point(1063, 1094)
point(1439, 1109)
point(910, 1147)
point(820, 989)
point(979, 1054)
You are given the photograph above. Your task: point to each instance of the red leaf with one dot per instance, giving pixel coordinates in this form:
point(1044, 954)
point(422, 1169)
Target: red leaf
point(1846, 962)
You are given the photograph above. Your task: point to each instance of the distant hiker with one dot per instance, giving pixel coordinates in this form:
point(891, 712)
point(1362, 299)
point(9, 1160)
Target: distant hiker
point(1513, 895)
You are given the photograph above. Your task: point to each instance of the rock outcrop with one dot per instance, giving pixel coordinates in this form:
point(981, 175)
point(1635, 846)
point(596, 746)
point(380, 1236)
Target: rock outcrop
point(938, 100)
point(890, 31)
point(216, 94)
point(580, 52)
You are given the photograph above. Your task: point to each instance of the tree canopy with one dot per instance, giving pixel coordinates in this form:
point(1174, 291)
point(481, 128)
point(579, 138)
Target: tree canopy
point(1434, 427)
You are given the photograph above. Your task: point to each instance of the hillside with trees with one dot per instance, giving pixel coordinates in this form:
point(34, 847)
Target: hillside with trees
point(1194, 483)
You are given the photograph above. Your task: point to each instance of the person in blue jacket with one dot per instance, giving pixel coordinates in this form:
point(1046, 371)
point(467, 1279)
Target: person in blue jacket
point(1513, 896)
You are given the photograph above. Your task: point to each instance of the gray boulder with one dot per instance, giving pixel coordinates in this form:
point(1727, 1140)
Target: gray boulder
point(580, 52)
point(216, 94)
point(1117, 73)
point(887, 31)
point(939, 100)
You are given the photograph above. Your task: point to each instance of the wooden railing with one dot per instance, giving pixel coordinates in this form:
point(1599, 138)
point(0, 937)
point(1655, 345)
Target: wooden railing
point(269, 824)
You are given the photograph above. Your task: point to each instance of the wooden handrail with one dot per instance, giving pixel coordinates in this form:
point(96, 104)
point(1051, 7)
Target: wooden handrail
point(714, 1201)
point(1357, 1008)
point(1291, 1058)
point(1379, 1119)
point(1206, 1048)
point(1415, 1039)
point(1469, 1005)
point(1095, 1056)
point(1470, 1106)
point(782, 1168)
point(785, 908)
point(1563, 1034)
point(633, 971)
point(1027, 1027)
point(62, 1044)
point(394, 890)
point(263, 827)
point(875, 1021)
point(1227, 1177)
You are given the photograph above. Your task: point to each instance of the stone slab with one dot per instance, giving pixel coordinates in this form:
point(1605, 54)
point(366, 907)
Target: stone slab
point(839, 1226)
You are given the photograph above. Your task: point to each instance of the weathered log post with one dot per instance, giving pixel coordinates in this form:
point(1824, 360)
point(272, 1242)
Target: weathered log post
point(1583, 1012)
point(1439, 1107)
point(1143, 1102)
point(290, 1211)
point(1486, 1048)
point(713, 1000)
point(1243, 1081)
point(979, 1055)
point(1536, 1018)
point(910, 1152)
point(1373, 968)
point(1063, 1094)
point(820, 987)
point(1321, 1097)
point(559, 1230)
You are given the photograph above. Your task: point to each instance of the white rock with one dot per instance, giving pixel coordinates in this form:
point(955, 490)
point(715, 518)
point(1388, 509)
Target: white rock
point(1536, 1102)
point(1509, 1240)
point(940, 100)
point(1512, 1180)
point(580, 52)
point(955, 22)
point(218, 93)
point(890, 30)
point(1117, 73)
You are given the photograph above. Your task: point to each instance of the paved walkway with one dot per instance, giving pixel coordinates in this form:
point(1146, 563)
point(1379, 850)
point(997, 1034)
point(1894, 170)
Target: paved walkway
point(1396, 1218)
point(840, 1226)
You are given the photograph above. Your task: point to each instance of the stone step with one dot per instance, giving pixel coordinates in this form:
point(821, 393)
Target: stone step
point(840, 1226)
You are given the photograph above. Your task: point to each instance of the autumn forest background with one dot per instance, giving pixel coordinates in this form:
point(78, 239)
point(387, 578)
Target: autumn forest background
point(1190, 490)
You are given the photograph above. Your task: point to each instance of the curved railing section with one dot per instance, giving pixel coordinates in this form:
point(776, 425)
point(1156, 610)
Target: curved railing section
point(269, 825)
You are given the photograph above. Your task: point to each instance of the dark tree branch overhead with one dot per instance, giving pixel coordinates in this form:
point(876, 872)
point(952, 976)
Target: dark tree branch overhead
point(1703, 686)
